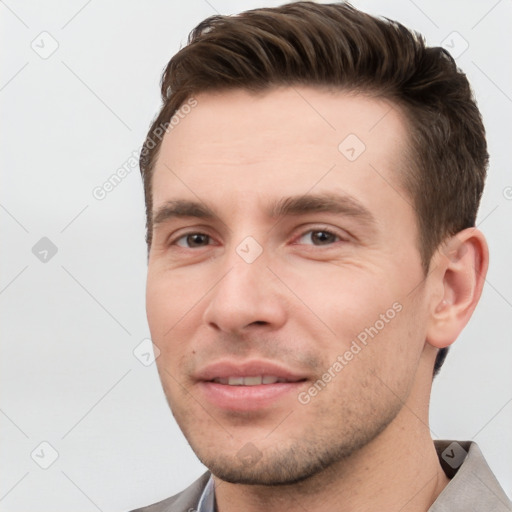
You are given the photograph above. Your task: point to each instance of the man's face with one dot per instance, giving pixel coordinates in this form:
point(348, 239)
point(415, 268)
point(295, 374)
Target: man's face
point(284, 246)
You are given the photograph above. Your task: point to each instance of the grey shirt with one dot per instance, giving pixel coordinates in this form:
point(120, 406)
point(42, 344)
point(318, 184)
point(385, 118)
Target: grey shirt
point(472, 486)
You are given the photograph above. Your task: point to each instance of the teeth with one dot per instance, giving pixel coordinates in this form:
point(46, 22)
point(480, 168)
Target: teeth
point(249, 381)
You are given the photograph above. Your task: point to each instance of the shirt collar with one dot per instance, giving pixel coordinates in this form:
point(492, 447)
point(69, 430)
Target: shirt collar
point(207, 499)
point(473, 486)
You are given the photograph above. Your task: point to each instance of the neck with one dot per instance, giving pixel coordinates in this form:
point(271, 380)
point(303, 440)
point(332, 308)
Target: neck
point(398, 470)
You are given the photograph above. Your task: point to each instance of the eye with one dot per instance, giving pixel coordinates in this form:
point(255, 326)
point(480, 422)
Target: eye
point(318, 237)
point(192, 240)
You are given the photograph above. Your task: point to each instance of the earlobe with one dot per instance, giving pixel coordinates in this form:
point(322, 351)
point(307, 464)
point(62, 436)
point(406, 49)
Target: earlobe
point(461, 268)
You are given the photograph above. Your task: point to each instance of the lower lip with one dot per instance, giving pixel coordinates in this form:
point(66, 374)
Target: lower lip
point(247, 398)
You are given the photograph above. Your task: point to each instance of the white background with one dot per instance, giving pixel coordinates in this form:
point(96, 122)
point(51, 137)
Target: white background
point(69, 326)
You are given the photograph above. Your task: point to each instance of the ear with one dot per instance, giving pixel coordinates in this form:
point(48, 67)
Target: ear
point(460, 267)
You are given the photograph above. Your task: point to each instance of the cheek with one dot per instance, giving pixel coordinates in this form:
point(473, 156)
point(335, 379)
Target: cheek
point(346, 297)
point(392, 349)
point(361, 315)
point(174, 305)
point(164, 308)
point(157, 305)
point(170, 297)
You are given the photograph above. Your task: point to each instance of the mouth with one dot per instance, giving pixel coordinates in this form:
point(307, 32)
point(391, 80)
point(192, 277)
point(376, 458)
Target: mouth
point(256, 380)
point(249, 385)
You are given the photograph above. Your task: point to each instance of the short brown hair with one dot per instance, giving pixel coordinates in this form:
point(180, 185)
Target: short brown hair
point(341, 48)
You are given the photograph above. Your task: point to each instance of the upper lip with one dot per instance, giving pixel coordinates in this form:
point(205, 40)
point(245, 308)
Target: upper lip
point(225, 368)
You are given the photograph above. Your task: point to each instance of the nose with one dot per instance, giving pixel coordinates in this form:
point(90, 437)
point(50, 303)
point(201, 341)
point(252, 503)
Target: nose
point(247, 297)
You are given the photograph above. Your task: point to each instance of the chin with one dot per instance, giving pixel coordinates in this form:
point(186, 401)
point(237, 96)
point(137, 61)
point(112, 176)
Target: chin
point(278, 466)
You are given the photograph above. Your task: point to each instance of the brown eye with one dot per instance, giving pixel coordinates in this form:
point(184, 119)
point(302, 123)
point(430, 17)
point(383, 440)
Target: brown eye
point(318, 237)
point(193, 240)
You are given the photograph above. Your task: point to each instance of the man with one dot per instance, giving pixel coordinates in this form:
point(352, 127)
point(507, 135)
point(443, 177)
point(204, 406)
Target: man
point(312, 183)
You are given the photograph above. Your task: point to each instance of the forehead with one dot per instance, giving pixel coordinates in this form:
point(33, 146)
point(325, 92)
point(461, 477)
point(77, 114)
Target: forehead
point(235, 145)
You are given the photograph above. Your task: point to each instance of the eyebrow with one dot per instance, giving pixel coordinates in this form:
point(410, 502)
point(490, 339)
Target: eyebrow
point(182, 208)
point(329, 202)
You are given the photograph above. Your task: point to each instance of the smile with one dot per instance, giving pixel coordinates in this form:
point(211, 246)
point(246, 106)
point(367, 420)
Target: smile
point(249, 381)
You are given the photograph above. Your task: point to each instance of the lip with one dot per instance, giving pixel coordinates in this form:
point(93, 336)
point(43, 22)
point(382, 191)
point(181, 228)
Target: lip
point(247, 398)
point(230, 368)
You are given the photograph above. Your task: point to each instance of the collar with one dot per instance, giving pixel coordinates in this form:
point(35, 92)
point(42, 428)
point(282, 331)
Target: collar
point(207, 499)
point(472, 485)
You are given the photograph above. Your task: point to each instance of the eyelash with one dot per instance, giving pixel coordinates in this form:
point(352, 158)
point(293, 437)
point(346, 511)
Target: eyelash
point(320, 229)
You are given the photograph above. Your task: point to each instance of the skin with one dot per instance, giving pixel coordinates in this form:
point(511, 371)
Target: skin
point(362, 442)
